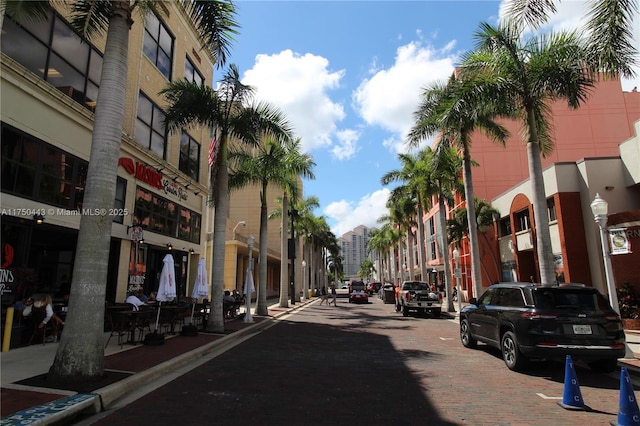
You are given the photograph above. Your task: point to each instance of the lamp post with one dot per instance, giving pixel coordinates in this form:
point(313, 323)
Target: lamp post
point(304, 278)
point(458, 275)
point(599, 208)
point(243, 223)
point(247, 297)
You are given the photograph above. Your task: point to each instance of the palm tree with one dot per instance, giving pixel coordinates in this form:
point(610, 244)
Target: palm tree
point(454, 111)
point(458, 228)
point(532, 74)
point(610, 45)
point(80, 354)
point(272, 163)
point(231, 111)
point(412, 176)
point(444, 174)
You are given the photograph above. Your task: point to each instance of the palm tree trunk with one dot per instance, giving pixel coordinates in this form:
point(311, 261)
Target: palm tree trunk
point(284, 247)
point(421, 244)
point(410, 260)
point(445, 254)
point(261, 306)
point(543, 236)
point(472, 223)
point(401, 260)
point(215, 322)
point(80, 354)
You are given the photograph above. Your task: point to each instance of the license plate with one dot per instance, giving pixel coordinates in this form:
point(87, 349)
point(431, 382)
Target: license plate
point(582, 329)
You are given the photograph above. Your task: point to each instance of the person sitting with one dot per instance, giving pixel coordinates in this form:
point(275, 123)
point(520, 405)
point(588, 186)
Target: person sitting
point(143, 297)
point(152, 297)
point(229, 304)
point(42, 301)
point(133, 300)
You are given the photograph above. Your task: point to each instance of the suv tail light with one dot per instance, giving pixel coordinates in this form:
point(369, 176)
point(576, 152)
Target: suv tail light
point(408, 296)
point(611, 317)
point(537, 316)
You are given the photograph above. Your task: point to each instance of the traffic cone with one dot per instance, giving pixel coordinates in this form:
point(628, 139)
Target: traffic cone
point(571, 398)
point(628, 414)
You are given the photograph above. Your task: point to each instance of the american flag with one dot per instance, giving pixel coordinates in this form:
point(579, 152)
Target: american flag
point(212, 151)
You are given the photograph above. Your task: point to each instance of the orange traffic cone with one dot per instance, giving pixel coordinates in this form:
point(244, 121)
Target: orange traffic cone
point(571, 398)
point(628, 414)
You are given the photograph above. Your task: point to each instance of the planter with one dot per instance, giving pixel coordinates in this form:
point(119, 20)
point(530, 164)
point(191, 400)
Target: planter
point(631, 324)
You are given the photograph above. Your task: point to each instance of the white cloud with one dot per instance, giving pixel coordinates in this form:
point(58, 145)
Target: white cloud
point(300, 86)
point(348, 216)
point(346, 147)
point(389, 98)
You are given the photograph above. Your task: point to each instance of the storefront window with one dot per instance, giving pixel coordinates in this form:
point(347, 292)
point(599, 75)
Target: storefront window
point(157, 214)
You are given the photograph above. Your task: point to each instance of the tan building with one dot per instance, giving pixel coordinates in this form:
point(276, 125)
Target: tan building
point(49, 86)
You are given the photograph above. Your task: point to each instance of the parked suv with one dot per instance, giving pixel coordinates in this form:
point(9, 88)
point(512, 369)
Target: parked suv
point(526, 320)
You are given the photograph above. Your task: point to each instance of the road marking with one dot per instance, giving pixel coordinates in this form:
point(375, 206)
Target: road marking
point(446, 338)
point(543, 396)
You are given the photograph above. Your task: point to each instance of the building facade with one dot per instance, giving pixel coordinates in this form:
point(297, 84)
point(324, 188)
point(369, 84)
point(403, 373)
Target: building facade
point(50, 80)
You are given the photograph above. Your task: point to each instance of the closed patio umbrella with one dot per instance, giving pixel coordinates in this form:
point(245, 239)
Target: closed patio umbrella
point(166, 291)
point(200, 286)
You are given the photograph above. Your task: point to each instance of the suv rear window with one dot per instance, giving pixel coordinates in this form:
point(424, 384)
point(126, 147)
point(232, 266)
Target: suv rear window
point(567, 299)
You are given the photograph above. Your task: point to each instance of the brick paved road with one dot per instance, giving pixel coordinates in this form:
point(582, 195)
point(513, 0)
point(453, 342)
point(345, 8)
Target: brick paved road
point(367, 365)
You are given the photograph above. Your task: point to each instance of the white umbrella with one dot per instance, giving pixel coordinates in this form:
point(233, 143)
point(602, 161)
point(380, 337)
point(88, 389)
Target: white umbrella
point(167, 287)
point(200, 286)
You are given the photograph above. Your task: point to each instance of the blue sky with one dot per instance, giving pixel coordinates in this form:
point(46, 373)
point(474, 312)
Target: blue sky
point(348, 75)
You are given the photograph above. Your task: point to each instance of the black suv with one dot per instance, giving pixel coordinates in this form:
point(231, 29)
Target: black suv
point(526, 320)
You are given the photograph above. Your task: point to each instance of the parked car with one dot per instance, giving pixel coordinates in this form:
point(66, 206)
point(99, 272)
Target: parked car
point(527, 320)
point(358, 292)
point(373, 287)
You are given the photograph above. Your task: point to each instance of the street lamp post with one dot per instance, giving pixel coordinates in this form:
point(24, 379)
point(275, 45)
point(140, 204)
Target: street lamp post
point(304, 278)
point(458, 275)
point(599, 208)
point(247, 297)
point(243, 223)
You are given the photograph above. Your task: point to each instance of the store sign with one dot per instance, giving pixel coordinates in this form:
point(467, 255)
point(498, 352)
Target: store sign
point(151, 176)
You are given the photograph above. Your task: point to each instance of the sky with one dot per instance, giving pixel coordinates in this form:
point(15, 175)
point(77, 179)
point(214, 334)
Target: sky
point(348, 76)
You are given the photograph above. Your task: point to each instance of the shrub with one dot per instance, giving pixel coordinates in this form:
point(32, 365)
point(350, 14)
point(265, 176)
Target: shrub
point(629, 302)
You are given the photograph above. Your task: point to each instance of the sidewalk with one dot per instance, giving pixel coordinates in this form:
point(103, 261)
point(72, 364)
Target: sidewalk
point(25, 397)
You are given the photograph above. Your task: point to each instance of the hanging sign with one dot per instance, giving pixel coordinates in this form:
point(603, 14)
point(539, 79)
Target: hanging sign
point(619, 242)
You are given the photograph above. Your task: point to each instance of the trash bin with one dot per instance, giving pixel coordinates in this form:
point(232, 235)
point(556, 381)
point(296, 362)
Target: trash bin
point(389, 296)
point(310, 294)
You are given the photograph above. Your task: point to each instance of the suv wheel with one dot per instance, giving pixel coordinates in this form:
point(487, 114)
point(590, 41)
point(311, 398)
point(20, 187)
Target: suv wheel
point(511, 354)
point(465, 335)
point(603, 365)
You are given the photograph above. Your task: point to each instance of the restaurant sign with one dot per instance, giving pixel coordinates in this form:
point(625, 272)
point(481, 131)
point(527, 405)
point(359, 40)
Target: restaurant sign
point(620, 244)
point(153, 177)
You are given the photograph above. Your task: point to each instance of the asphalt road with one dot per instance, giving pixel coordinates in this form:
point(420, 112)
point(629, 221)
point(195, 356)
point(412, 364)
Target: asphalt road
point(365, 364)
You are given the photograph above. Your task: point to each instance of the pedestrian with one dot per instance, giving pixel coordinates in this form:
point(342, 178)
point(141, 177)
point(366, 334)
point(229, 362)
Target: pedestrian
point(333, 295)
point(323, 295)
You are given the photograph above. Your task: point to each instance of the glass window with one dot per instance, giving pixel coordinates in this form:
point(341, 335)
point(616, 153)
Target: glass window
point(522, 220)
point(119, 202)
point(158, 44)
point(39, 171)
point(485, 299)
point(504, 227)
point(551, 209)
point(166, 217)
point(150, 131)
point(189, 162)
point(55, 53)
point(191, 73)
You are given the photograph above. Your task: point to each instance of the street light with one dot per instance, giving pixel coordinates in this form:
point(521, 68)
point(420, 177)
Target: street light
point(304, 278)
point(599, 208)
point(243, 223)
point(247, 297)
point(458, 274)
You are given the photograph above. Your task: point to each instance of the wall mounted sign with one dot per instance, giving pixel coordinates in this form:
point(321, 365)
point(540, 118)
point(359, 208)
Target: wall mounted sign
point(151, 176)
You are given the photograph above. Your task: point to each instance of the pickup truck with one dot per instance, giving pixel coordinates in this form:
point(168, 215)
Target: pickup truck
point(417, 296)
